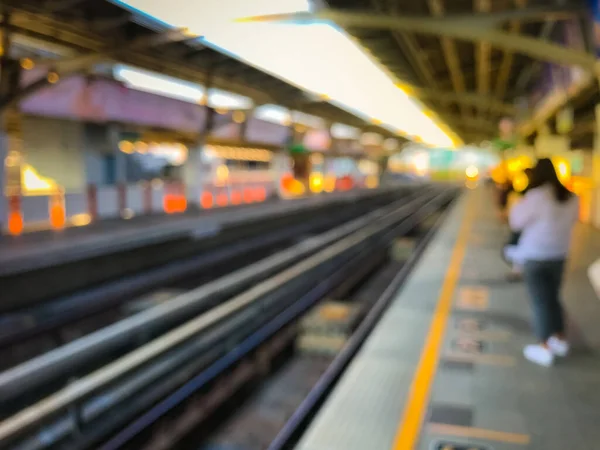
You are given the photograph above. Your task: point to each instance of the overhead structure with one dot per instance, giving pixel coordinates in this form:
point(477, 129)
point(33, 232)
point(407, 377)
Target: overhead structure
point(465, 59)
point(75, 36)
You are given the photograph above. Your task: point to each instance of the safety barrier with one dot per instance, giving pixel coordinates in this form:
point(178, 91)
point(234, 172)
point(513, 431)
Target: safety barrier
point(28, 213)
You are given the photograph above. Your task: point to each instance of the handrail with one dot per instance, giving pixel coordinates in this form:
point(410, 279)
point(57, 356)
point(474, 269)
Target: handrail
point(44, 368)
point(108, 374)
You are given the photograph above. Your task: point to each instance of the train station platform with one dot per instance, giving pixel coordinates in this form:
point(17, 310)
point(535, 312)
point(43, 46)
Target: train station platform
point(443, 369)
point(47, 248)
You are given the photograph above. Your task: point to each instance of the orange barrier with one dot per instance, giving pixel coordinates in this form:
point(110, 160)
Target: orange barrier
point(174, 200)
point(206, 200)
point(236, 197)
point(345, 183)
point(15, 217)
point(260, 194)
point(222, 198)
point(57, 211)
point(248, 195)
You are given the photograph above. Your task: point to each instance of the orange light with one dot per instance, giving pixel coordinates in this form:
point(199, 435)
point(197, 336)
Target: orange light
point(239, 116)
point(15, 223)
point(206, 200)
point(329, 183)
point(248, 195)
point(53, 77)
point(57, 216)
point(236, 197)
point(315, 182)
point(27, 63)
point(372, 182)
point(170, 204)
point(345, 183)
point(181, 204)
point(222, 199)
point(261, 194)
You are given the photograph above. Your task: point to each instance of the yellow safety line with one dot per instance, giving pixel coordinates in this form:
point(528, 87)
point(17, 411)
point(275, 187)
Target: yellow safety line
point(478, 433)
point(409, 428)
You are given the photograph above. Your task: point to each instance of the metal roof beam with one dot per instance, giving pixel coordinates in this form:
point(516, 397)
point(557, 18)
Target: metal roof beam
point(55, 6)
point(529, 72)
point(483, 53)
point(482, 19)
point(450, 54)
point(77, 38)
point(507, 61)
point(468, 98)
point(407, 42)
point(533, 47)
point(81, 62)
point(476, 124)
point(100, 25)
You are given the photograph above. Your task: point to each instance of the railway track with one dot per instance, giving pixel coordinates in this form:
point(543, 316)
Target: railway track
point(36, 330)
point(115, 406)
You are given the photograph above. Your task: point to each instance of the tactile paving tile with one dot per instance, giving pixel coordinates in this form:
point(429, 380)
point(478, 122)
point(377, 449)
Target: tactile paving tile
point(457, 366)
point(451, 415)
point(365, 410)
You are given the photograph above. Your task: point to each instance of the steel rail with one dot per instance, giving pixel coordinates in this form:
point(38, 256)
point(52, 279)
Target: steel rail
point(253, 341)
point(285, 439)
point(44, 368)
point(353, 233)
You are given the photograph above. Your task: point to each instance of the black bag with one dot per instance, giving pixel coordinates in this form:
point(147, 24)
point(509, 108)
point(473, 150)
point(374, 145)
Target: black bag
point(514, 238)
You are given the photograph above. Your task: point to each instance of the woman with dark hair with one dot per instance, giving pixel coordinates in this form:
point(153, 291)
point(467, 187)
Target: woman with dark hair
point(545, 217)
point(516, 272)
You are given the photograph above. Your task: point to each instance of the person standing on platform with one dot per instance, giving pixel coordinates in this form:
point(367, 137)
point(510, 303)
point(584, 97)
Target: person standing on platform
point(545, 217)
point(516, 273)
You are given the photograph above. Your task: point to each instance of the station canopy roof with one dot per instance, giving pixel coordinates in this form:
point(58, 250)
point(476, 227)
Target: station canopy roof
point(78, 35)
point(474, 62)
point(435, 71)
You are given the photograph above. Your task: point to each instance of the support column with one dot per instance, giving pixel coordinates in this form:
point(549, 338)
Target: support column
point(3, 203)
point(193, 174)
point(10, 132)
point(244, 125)
point(595, 213)
point(114, 137)
point(120, 165)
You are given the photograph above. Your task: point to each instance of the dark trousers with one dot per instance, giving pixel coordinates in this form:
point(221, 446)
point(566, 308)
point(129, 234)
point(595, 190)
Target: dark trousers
point(544, 280)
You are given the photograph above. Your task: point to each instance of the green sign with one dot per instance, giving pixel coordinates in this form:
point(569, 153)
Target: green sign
point(502, 145)
point(298, 148)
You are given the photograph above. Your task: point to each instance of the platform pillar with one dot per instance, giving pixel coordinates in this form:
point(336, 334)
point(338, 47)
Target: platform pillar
point(244, 125)
point(194, 175)
point(595, 215)
point(10, 123)
point(3, 203)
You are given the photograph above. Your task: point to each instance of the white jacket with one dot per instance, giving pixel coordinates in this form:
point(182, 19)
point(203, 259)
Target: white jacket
point(545, 224)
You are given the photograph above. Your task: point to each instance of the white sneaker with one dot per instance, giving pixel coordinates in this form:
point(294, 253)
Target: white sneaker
point(558, 346)
point(539, 355)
